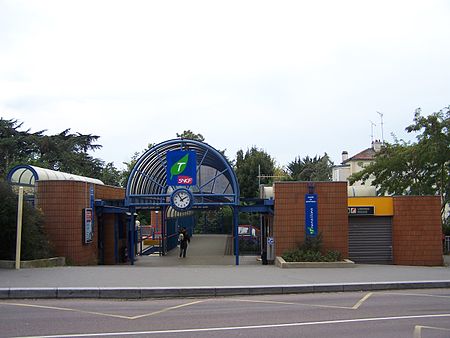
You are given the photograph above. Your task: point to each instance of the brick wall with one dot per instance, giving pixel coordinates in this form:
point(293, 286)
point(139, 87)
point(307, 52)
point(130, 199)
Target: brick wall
point(289, 219)
point(108, 192)
point(62, 203)
point(417, 231)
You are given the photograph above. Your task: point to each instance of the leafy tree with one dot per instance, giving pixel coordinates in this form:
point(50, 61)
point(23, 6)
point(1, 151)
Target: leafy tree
point(191, 135)
point(68, 152)
point(35, 244)
point(218, 221)
point(65, 151)
point(280, 174)
point(16, 147)
point(247, 170)
point(420, 168)
point(110, 175)
point(318, 168)
point(125, 174)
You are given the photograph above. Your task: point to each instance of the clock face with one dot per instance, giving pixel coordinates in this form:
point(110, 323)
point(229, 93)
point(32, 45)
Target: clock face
point(181, 199)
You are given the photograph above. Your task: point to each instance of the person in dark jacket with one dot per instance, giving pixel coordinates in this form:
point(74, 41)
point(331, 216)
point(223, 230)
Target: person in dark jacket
point(184, 239)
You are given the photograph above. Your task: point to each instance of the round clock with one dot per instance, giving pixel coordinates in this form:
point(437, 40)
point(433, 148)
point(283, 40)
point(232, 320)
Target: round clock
point(181, 199)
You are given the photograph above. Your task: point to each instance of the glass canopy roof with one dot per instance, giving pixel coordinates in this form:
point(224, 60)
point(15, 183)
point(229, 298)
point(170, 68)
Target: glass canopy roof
point(27, 175)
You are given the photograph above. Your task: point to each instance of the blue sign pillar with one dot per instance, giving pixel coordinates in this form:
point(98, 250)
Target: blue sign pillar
point(91, 202)
point(311, 215)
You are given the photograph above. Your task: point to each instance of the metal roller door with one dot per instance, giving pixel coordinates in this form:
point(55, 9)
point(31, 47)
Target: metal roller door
point(370, 240)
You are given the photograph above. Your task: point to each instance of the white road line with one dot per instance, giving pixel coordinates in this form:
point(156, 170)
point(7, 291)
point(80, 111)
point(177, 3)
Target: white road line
point(230, 328)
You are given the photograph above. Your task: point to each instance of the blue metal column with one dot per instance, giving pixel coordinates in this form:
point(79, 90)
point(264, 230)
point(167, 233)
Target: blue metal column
point(116, 238)
point(131, 234)
point(164, 232)
point(236, 232)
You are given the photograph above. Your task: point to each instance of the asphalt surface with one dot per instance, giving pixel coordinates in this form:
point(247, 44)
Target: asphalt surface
point(205, 272)
point(412, 313)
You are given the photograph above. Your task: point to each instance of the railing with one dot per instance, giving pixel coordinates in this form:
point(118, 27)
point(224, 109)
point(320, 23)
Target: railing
point(447, 244)
point(148, 233)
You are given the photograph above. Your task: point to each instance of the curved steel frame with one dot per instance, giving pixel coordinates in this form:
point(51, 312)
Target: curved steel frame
point(27, 167)
point(147, 185)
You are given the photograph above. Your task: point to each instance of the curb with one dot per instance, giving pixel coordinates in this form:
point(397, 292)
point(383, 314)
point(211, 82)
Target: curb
point(281, 263)
point(35, 263)
point(217, 291)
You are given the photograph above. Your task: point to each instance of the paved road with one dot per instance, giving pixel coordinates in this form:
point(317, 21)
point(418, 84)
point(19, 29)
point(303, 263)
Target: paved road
point(417, 314)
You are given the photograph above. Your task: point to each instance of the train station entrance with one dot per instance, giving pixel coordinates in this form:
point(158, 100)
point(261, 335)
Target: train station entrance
point(172, 180)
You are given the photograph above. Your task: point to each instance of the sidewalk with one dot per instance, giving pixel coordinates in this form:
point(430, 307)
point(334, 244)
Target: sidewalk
point(170, 276)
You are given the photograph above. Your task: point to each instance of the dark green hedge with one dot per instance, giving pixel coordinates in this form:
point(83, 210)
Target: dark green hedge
point(35, 244)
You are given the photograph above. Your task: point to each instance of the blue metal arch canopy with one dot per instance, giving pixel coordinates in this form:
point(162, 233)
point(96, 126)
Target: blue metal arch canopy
point(216, 180)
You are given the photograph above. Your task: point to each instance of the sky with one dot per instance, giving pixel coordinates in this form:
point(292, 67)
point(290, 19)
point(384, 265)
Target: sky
point(293, 78)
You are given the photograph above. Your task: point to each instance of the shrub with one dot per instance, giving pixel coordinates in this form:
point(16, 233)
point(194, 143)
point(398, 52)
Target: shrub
point(35, 244)
point(311, 251)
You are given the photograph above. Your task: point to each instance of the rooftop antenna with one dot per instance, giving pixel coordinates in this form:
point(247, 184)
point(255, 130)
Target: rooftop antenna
point(371, 129)
point(382, 135)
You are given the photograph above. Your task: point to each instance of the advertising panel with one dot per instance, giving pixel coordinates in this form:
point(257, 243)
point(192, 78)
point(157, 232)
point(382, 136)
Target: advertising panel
point(88, 232)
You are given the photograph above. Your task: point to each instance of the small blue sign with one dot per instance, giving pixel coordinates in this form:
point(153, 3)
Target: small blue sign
point(311, 215)
point(181, 167)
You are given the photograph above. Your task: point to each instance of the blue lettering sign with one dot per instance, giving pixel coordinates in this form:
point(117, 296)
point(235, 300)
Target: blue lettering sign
point(311, 215)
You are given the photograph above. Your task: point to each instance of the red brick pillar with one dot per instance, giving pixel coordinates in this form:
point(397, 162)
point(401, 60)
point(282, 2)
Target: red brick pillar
point(417, 230)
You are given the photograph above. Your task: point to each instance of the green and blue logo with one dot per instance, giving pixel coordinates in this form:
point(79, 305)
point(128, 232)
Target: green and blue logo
point(181, 167)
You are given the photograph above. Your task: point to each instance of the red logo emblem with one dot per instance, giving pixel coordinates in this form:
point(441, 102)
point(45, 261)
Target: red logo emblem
point(184, 180)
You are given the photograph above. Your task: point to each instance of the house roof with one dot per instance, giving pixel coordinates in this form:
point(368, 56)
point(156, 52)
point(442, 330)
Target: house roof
point(365, 155)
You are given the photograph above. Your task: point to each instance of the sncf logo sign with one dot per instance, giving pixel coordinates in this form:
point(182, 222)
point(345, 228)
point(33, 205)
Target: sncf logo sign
point(185, 180)
point(181, 167)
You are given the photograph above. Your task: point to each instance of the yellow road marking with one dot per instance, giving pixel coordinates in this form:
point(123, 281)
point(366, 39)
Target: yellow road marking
point(65, 309)
point(354, 307)
point(415, 294)
point(361, 301)
point(418, 330)
point(168, 309)
point(101, 313)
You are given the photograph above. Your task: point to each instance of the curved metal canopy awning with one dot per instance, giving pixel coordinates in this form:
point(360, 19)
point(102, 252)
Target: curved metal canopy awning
point(216, 180)
point(27, 175)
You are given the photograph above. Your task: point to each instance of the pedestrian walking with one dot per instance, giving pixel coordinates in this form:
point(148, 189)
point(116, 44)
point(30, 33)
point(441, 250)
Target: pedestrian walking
point(183, 239)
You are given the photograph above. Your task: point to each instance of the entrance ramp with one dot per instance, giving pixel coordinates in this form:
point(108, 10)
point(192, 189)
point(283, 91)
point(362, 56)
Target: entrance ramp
point(202, 250)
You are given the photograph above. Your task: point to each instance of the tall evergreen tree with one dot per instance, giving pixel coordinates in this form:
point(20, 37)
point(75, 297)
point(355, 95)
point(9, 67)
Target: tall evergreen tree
point(247, 170)
point(67, 152)
point(318, 168)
